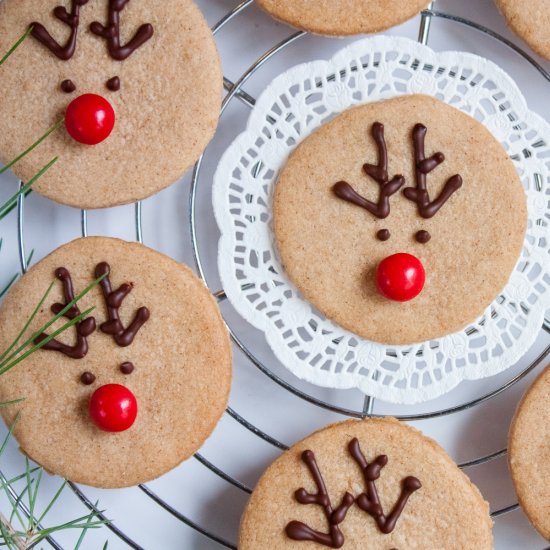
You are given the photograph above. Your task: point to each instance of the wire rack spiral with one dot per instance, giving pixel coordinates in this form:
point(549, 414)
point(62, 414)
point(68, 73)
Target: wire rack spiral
point(236, 92)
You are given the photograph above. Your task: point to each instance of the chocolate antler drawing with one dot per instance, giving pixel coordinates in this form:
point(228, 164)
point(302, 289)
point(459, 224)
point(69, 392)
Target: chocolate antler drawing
point(296, 530)
point(114, 298)
point(369, 501)
point(423, 166)
point(66, 51)
point(111, 32)
point(83, 329)
point(379, 173)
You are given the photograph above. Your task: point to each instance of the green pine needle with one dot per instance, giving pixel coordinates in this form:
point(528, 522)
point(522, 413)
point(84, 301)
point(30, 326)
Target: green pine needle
point(85, 530)
point(32, 147)
point(15, 277)
point(9, 205)
point(15, 46)
point(10, 403)
point(7, 210)
point(9, 360)
point(8, 286)
point(9, 434)
point(12, 361)
point(29, 321)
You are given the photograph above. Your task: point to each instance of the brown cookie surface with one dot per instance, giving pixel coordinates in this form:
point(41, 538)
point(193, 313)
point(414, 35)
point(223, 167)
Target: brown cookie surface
point(166, 109)
point(447, 511)
point(178, 366)
point(331, 248)
point(342, 17)
point(529, 453)
point(530, 20)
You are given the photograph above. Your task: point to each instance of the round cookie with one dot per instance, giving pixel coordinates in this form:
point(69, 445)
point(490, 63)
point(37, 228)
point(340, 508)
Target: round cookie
point(529, 453)
point(343, 17)
point(530, 20)
point(440, 507)
point(331, 247)
point(166, 107)
point(180, 354)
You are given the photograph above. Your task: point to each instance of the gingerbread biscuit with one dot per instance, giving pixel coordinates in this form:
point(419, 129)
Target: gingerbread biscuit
point(342, 17)
point(166, 94)
point(335, 220)
point(530, 20)
point(529, 453)
point(175, 358)
point(375, 484)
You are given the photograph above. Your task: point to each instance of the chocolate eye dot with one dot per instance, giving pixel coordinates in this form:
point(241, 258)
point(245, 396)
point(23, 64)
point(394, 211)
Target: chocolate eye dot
point(127, 368)
point(383, 235)
point(68, 86)
point(87, 378)
point(113, 84)
point(422, 237)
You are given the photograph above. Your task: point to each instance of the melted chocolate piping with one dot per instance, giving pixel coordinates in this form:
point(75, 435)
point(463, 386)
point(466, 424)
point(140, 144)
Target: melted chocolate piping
point(369, 501)
point(127, 368)
point(383, 235)
point(424, 166)
point(113, 84)
point(87, 378)
point(114, 298)
point(83, 329)
point(72, 19)
point(296, 530)
point(378, 173)
point(423, 237)
point(111, 32)
point(68, 86)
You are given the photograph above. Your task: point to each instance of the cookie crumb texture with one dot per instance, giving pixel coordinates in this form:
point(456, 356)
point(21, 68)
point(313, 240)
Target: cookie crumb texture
point(343, 17)
point(530, 20)
point(329, 247)
point(181, 355)
point(166, 110)
point(448, 511)
point(529, 453)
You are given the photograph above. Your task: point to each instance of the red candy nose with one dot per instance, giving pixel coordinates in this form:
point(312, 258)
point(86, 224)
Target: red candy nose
point(113, 408)
point(89, 119)
point(400, 277)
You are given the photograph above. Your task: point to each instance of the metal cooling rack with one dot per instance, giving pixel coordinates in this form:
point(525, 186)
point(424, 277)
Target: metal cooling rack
point(235, 91)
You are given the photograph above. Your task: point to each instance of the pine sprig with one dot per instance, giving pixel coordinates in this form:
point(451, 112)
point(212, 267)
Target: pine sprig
point(31, 532)
point(26, 189)
point(4, 290)
point(8, 206)
point(32, 147)
point(16, 45)
point(10, 358)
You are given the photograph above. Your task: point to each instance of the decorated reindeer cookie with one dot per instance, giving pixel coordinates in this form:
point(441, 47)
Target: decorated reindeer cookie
point(400, 220)
point(136, 83)
point(136, 387)
point(376, 484)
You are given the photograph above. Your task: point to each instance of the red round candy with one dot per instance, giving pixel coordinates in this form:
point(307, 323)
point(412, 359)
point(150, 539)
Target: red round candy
point(113, 408)
point(400, 277)
point(89, 119)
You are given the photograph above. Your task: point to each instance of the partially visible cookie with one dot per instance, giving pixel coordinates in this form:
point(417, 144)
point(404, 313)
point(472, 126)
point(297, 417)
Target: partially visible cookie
point(343, 17)
point(155, 62)
point(529, 453)
point(530, 20)
point(411, 181)
point(376, 484)
point(157, 341)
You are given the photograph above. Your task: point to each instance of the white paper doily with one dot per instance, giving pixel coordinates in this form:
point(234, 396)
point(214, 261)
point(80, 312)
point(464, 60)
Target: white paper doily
point(292, 107)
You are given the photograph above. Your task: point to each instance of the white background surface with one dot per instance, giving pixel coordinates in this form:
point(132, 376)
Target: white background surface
point(192, 489)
